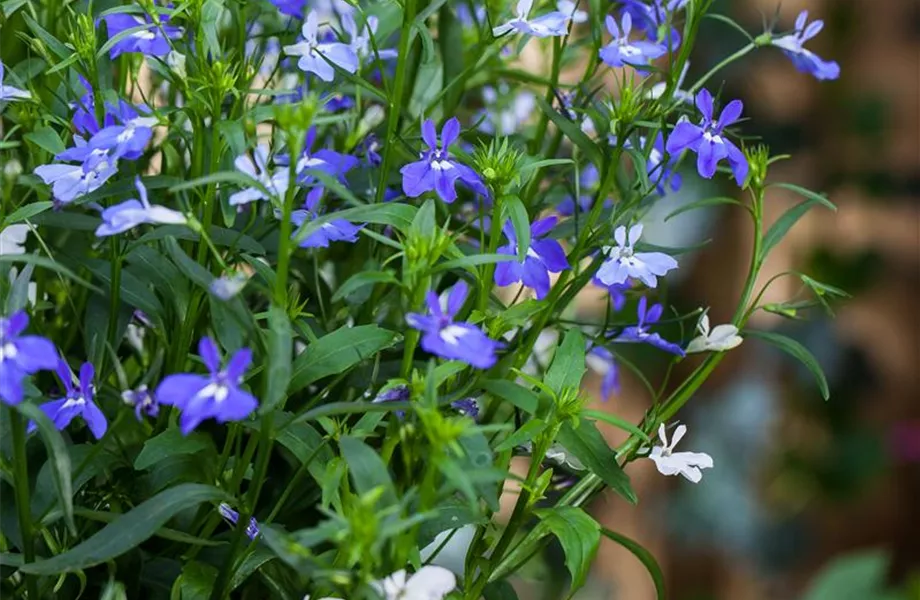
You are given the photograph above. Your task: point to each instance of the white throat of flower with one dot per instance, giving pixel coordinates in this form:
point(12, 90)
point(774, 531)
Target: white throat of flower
point(8, 351)
point(452, 334)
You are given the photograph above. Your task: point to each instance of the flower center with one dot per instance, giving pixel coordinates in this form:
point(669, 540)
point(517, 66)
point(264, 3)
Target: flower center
point(71, 402)
point(8, 350)
point(216, 389)
point(452, 334)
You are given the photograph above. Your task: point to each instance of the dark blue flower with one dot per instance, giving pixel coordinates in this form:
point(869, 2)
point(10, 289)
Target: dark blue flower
point(232, 516)
point(77, 401)
point(217, 395)
point(437, 171)
point(397, 393)
point(335, 230)
point(153, 40)
point(544, 256)
point(447, 339)
point(467, 407)
point(21, 355)
point(653, 17)
point(804, 60)
point(708, 140)
point(640, 334)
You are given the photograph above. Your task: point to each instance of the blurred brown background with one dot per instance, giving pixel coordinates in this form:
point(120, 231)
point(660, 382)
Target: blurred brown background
point(808, 500)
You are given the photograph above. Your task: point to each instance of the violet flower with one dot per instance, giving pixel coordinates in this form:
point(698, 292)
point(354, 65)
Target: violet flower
point(276, 183)
point(328, 161)
point(143, 401)
point(150, 41)
point(9, 93)
point(544, 256)
point(639, 333)
point(77, 401)
point(653, 17)
point(233, 517)
point(133, 212)
point(70, 182)
point(622, 51)
point(216, 395)
point(551, 24)
point(318, 57)
point(707, 139)
point(127, 140)
point(21, 355)
point(335, 230)
point(601, 361)
point(437, 171)
point(468, 407)
point(361, 39)
point(623, 262)
point(660, 170)
point(443, 337)
point(806, 61)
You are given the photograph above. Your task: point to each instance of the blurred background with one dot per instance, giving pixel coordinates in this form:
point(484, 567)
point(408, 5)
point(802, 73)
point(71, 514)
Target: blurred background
point(808, 499)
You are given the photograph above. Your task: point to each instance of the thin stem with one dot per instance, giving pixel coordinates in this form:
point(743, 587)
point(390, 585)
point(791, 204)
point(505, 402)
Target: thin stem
point(23, 505)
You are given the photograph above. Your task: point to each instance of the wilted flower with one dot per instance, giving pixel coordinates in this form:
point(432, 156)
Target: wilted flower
point(804, 60)
point(133, 212)
point(601, 361)
point(720, 339)
point(216, 395)
point(622, 51)
point(437, 171)
point(550, 24)
point(453, 341)
point(707, 139)
point(624, 262)
point(21, 355)
point(668, 462)
point(318, 57)
point(77, 401)
point(544, 256)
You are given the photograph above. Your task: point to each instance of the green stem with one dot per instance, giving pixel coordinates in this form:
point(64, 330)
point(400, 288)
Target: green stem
point(413, 335)
point(23, 505)
point(209, 198)
point(394, 105)
point(495, 232)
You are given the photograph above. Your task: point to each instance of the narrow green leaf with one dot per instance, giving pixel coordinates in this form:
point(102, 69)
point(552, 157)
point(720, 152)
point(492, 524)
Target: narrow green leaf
point(337, 352)
point(783, 224)
point(472, 260)
point(513, 207)
point(395, 214)
point(644, 556)
point(568, 366)
point(196, 581)
point(579, 535)
point(806, 193)
point(450, 40)
point(170, 443)
point(517, 395)
point(190, 268)
point(718, 200)
point(616, 422)
point(798, 351)
point(362, 279)
point(29, 210)
point(128, 531)
point(54, 44)
point(367, 469)
point(572, 131)
point(58, 456)
point(589, 446)
point(526, 433)
point(47, 139)
point(280, 351)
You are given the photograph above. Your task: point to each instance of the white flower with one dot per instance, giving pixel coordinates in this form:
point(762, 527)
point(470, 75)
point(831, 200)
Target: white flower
point(688, 464)
point(720, 339)
point(12, 239)
point(623, 262)
point(428, 583)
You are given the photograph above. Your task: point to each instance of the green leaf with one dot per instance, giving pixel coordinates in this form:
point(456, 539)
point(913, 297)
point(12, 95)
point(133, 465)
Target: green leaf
point(211, 12)
point(424, 224)
point(526, 433)
point(367, 469)
point(337, 352)
point(472, 260)
point(190, 268)
point(362, 279)
point(616, 422)
point(90, 460)
point(196, 581)
point(782, 226)
point(29, 210)
point(857, 576)
point(132, 290)
point(170, 443)
point(513, 207)
point(517, 395)
point(572, 131)
point(718, 200)
point(579, 535)
point(58, 457)
point(303, 441)
point(644, 556)
point(252, 563)
point(280, 351)
point(499, 590)
point(18, 297)
point(129, 530)
point(47, 139)
point(589, 446)
point(806, 193)
point(54, 44)
point(568, 366)
point(798, 351)
point(450, 40)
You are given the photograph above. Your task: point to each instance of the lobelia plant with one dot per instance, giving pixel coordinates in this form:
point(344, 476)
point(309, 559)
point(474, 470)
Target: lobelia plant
point(265, 181)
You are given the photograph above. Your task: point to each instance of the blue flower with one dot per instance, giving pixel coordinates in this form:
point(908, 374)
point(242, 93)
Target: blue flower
point(467, 407)
point(616, 291)
point(622, 51)
point(128, 140)
point(232, 516)
point(804, 60)
point(544, 256)
point(437, 171)
point(397, 393)
point(588, 183)
point(317, 56)
point(707, 139)
point(654, 17)
point(335, 230)
point(661, 170)
point(276, 183)
point(153, 40)
point(328, 161)
point(548, 25)
point(216, 395)
point(77, 401)
point(623, 262)
point(133, 212)
point(143, 401)
point(361, 39)
point(69, 182)
point(453, 341)
point(9, 93)
point(21, 355)
point(291, 8)
point(639, 333)
point(601, 361)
